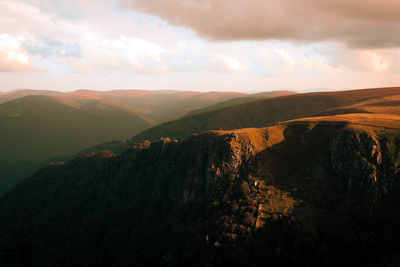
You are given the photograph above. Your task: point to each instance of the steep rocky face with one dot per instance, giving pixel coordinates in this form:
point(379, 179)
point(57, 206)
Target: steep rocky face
point(304, 194)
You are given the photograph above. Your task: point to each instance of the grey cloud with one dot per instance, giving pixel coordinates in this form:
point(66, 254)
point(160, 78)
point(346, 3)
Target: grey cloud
point(357, 23)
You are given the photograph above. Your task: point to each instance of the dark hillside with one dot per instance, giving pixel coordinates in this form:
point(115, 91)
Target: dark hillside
point(39, 127)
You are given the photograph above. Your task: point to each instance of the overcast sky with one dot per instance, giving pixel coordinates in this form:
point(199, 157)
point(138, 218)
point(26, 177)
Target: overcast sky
point(224, 45)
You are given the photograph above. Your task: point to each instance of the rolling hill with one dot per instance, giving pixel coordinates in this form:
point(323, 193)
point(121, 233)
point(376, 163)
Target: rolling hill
point(157, 106)
point(15, 94)
point(39, 127)
point(309, 192)
point(268, 112)
point(239, 101)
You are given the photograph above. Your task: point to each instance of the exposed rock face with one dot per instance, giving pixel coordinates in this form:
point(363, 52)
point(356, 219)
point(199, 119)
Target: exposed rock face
point(286, 195)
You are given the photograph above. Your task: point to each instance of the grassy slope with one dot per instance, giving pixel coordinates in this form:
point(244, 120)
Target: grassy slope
point(361, 120)
point(269, 111)
point(239, 101)
point(38, 127)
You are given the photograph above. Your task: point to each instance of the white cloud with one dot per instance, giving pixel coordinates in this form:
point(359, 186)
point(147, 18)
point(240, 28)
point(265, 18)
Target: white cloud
point(13, 58)
point(14, 10)
point(285, 55)
point(376, 60)
point(121, 54)
point(224, 63)
point(382, 60)
point(231, 63)
point(20, 18)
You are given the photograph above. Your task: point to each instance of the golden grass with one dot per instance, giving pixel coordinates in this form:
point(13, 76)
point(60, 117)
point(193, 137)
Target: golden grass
point(261, 138)
point(389, 104)
point(359, 119)
point(275, 135)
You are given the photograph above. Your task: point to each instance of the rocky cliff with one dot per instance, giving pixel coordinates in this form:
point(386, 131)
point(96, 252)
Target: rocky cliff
point(304, 194)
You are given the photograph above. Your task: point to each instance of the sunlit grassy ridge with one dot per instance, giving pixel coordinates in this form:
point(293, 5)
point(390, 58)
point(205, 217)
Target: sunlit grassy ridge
point(259, 138)
point(269, 112)
point(360, 119)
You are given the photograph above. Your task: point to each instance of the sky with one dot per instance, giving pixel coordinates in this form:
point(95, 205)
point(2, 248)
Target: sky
point(202, 45)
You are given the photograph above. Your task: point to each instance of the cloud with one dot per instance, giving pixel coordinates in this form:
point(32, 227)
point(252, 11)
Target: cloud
point(46, 47)
point(13, 58)
point(357, 23)
point(78, 64)
point(283, 60)
point(120, 54)
point(63, 9)
point(23, 19)
point(378, 60)
point(224, 63)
